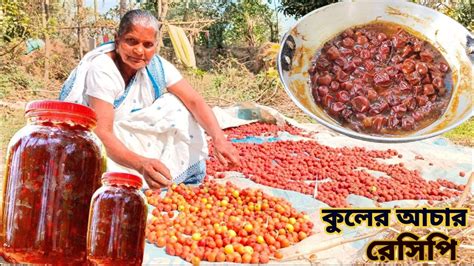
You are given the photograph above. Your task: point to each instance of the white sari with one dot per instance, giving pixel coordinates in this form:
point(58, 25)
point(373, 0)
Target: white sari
point(164, 129)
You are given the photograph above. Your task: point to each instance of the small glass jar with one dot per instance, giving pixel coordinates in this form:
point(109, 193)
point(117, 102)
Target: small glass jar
point(53, 167)
point(117, 221)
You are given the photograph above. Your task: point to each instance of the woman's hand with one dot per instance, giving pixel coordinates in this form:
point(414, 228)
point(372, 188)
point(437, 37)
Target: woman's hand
point(156, 174)
point(225, 152)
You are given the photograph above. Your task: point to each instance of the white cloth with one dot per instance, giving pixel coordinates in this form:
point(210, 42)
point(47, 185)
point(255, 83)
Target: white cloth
point(147, 121)
point(164, 130)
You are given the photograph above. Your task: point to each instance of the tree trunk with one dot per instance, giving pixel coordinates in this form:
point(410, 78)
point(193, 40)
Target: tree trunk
point(249, 31)
point(161, 9)
point(158, 8)
point(79, 30)
point(96, 11)
point(186, 10)
point(45, 19)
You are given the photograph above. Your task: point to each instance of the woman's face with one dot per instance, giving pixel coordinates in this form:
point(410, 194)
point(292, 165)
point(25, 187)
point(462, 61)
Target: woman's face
point(137, 47)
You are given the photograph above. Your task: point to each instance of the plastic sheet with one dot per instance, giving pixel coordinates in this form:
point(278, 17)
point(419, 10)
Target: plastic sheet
point(447, 161)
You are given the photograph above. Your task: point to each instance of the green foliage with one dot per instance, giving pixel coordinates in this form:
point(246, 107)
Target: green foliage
point(245, 22)
point(249, 21)
point(300, 8)
point(22, 20)
point(113, 14)
point(184, 10)
point(215, 38)
point(189, 10)
point(197, 73)
point(461, 11)
point(14, 21)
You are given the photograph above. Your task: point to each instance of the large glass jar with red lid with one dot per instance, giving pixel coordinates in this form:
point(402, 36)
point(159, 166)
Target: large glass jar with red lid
point(53, 167)
point(117, 221)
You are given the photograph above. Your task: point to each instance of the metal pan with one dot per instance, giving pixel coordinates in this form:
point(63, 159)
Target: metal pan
point(454, 41)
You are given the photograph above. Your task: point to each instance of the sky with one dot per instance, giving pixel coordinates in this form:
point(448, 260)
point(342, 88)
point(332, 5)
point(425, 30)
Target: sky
point(105, 5)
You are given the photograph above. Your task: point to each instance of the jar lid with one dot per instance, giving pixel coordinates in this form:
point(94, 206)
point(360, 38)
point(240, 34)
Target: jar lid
point(55, 107)
point(119, 178)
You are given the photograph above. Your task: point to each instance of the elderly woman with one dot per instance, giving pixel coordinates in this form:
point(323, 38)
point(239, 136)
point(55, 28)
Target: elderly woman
point(149, 118)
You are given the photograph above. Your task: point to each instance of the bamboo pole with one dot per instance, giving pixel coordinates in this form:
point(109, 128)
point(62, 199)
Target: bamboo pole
point(466, 192)
point(79, 31)
point(161, 9)
point(122, 8)
point(96, 11)
point(45, 19)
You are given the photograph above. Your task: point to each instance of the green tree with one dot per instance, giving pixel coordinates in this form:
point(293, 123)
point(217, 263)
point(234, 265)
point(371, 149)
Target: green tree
point(249, 20)
point(14, 23)
point(246, 22)
point(189, 10)
point(299, 8)
point(463, 12)
point(22, 20)
point(460, 10)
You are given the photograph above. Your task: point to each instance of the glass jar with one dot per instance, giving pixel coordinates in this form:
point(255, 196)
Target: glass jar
point(117, 221)
point(53, 167)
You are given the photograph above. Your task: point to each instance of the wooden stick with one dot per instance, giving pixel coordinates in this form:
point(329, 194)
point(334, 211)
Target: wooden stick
point(190, 22)
point(466, 246)
point(466, 191)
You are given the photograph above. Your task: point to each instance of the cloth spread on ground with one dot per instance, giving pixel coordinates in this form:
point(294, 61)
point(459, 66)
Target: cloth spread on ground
point(154, 124)
point(448, 159)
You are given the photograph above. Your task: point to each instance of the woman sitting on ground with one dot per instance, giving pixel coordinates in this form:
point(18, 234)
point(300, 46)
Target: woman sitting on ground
point(149, 117)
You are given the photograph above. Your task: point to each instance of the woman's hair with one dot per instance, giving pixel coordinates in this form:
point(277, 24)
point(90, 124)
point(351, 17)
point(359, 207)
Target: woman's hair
point(137, 17)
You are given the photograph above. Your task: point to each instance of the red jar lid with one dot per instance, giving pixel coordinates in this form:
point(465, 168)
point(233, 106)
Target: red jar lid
point(59, 109)
point(118, 178)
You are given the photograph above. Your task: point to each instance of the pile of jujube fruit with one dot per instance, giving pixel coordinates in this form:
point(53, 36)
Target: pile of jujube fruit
point(222, 223)
point(298, 165)
point(380, 79)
